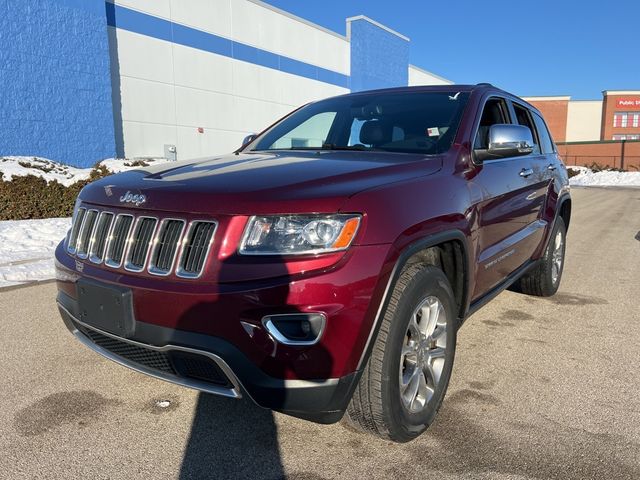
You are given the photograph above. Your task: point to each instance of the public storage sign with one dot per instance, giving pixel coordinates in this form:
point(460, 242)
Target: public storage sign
point(628, 103)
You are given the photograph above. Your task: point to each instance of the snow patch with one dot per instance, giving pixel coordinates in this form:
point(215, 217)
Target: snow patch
point(64, 174)
point(604, 178)
point(28, 248)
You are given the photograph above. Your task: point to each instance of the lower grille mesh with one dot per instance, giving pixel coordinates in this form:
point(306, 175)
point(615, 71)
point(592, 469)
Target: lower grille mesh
point(143, 356)
point(175, 362)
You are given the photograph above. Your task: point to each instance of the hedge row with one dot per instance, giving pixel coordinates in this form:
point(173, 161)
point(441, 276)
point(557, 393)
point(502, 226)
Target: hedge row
point(33, 197)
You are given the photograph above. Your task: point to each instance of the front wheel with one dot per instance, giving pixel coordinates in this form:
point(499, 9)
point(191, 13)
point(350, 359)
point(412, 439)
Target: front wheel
point(406, 377)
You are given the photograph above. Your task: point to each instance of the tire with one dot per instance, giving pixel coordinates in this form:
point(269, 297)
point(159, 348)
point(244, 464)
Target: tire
point(544, 279)
point(382, 403)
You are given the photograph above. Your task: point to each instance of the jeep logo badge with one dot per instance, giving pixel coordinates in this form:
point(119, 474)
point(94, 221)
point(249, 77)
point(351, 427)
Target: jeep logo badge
point(136, 198)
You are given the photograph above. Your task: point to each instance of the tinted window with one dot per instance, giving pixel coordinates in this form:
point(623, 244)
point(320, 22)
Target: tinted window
point(494, 112)
point(523, 118)
point(543, 134)
point(420, 122)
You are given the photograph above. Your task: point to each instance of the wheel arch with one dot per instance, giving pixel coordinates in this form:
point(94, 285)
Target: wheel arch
point(439, 249)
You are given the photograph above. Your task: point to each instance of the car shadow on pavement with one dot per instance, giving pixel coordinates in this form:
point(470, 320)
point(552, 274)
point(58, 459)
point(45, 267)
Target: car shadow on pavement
point(231, 439)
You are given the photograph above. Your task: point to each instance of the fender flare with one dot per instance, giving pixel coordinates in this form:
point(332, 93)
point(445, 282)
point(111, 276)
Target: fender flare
point(413, 248)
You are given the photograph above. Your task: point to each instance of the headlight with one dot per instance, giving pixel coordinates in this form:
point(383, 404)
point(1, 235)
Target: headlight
point(298, 234)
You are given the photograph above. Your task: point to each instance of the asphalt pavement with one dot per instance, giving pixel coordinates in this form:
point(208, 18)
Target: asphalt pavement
point(541, 388)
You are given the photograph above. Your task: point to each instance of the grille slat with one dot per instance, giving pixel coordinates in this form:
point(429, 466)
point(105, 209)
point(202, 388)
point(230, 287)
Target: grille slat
point(75, 229)
point(167, 246)
point(118, 240)
point(140, 243)
point(196, 249)
point(99, 242)
point(82, 246)
point(114, 239)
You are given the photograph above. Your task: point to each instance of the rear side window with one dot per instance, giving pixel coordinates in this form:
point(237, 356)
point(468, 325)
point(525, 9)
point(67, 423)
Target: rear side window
point(543, 134)
point(524, 118)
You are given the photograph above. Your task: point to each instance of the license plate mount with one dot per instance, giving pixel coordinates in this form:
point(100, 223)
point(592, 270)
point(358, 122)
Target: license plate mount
point(106, 307)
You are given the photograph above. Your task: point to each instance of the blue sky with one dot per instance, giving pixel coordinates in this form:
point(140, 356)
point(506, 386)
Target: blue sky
point(535, 47)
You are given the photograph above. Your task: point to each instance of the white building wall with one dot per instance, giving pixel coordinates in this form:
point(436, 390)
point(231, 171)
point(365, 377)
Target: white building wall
point(418, 76)
point(584, 119)
point(168, 91)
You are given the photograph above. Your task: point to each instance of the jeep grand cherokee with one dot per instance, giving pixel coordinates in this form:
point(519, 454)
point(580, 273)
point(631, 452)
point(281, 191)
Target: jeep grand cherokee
point(324, 267)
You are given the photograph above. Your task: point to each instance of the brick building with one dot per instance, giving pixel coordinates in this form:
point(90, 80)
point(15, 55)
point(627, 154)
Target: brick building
point(595, 131)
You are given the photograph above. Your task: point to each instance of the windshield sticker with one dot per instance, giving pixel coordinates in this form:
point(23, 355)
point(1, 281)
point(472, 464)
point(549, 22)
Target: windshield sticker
point(433, 132)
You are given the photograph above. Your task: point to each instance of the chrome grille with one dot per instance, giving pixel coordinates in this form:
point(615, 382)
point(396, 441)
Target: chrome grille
point(118, 240)
point(166, 247)
point(136, 243)
point(196, 249)
point(140, 243)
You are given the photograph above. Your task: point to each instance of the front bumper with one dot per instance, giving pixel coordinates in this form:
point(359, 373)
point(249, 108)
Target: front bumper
point(161, 352)
point(218, 327)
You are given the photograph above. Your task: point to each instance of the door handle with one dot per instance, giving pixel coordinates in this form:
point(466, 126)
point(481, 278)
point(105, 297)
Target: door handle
point(525, 172)
point(551, 167)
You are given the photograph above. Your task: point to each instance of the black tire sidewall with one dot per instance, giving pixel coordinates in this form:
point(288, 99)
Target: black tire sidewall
point(404, 425)
point(549, 285)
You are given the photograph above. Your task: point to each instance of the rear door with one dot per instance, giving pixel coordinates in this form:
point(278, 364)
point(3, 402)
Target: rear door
point(511, 195)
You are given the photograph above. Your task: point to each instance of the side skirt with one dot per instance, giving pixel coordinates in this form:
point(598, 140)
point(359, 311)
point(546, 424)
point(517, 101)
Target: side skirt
point(491, 294)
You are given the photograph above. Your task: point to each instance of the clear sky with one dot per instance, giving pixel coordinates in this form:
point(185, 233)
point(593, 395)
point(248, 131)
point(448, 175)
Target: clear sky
point(535, 47)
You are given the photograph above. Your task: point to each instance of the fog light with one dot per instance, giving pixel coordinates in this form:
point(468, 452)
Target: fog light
point(295, 328)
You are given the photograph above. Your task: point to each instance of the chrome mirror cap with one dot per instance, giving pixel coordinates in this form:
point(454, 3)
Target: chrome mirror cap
point(510, 140)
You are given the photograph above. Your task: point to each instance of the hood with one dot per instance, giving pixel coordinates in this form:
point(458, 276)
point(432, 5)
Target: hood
point(258, 183)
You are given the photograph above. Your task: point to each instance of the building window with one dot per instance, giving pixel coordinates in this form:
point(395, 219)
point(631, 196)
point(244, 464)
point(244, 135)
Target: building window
point(629, 136)
point(626, 119)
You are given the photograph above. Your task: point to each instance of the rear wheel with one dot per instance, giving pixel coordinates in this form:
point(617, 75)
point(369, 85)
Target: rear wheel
point(406, 377)
point(544, 279)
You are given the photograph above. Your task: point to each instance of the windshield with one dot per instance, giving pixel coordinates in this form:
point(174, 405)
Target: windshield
point(420, 122)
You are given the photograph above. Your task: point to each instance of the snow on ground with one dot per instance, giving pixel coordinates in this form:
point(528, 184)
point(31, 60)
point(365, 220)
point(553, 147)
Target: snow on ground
point(64, 174)
point(27, 249)
point(589, 178)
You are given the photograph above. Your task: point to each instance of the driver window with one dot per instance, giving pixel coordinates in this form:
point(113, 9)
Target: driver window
point(494, 113)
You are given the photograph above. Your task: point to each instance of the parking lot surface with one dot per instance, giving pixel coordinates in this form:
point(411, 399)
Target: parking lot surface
point(541, 388)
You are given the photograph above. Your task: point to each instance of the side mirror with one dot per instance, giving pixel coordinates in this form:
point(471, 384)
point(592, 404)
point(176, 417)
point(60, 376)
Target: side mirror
point(249, 139)
point(507, 141)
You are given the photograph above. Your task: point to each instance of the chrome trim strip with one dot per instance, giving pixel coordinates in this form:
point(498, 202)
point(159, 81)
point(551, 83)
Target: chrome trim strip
point(280, 338)
point(235, 392)
point(185, 240)
point(135, 233)
point(107, 258)
point(152, 269)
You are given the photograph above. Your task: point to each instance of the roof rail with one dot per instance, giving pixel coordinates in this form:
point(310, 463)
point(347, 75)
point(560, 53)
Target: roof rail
point(483, 84)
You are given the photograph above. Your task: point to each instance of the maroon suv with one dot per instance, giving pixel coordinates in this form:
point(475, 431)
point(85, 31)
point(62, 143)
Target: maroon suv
point(326, 265)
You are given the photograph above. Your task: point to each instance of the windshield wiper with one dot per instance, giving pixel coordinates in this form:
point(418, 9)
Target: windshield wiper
point(331, 146)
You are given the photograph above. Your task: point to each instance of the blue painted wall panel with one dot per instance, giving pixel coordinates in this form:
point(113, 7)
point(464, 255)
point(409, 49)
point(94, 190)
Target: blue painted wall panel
point(379, 59)
point(55, 86)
